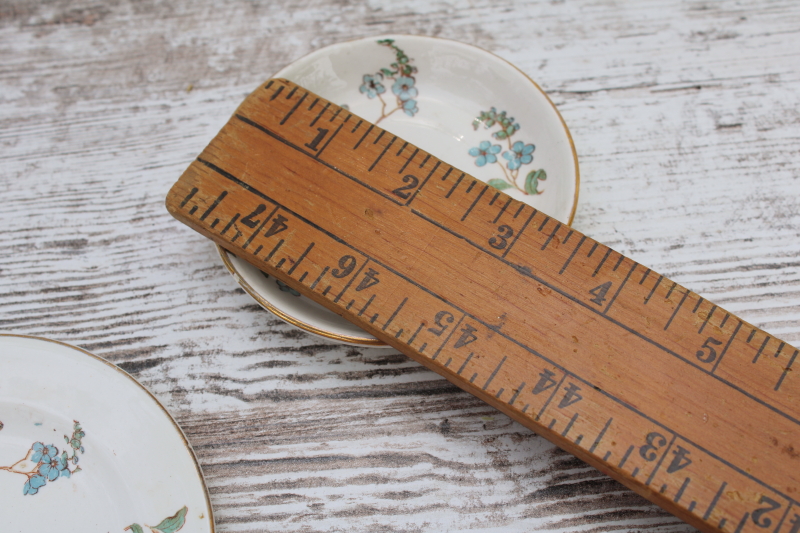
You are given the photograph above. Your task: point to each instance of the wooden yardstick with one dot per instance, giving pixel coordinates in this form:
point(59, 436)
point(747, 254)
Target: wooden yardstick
point(681, 401)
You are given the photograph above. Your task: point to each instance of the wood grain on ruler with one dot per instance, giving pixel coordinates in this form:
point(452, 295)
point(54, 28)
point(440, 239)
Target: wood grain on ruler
point(675, 397)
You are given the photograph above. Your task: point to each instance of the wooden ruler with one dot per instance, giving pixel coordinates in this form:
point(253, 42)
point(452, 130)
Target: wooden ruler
point(675, 397)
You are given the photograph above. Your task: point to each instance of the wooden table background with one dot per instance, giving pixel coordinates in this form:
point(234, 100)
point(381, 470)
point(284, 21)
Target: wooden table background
point(686, 118)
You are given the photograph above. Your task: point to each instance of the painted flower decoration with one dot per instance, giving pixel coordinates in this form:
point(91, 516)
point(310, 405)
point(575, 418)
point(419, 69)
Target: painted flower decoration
point(285, 288)
point(42, 463)
point(404, 88)
point(485, 153)
point(372, 85)
point(33, 484)
point(520, 154)
point(42, 453)
point(401, 71)
point(410, 107)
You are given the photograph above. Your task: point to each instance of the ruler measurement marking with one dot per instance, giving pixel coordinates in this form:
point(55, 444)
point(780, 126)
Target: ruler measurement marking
point(742, 522)
point(596, 244)
point(619, 262)
point(363, 137)
point(400, 151)
point(322, 111)
point(300, 259)
point(358, 125)
point(213, 206)
point(653, 290)
point(502, 210)
point(560, 291)
point(677, 308)
point(257, 250)
point(336, 114)
point(231, 223)
point(276, 93)
point(517, 393)
point(515, 238)
point(391, 318)
point(602, 262)
point(708, 317)
point(314, 103)
point(414, 336)
point(671, 289)
point(413, 155)
point(619, 289)
point(572, 255)
point(319, 278)
point(602, 433)
point(625, 457)
point(477, 198)
point(725, 350)
point(763, 345)
point(192, 210)
point(715, 500)
point(277, 246)
point(786, 371)
point(569, 234)
point(544, 223)
point(521, 207)
point(291, 93)
point(550, 237)
point(382, 153)
point(465, 363)
point(426, 160)
point(646, 273)
point(681, 490)
point(569, 425)
point(378, 138)
point(494, 372)
point(471, 185)
point(780, 349)
point(294, 108)
point(189, 196)
point(752, 334)
point(446, 174)
point(697, 305)
point(724, 320)
point(494, 198)
point(461, 177)
point(280, 263)
point(366, 305)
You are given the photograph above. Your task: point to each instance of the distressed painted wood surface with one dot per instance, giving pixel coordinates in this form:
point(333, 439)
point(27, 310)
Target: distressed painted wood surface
point(685, 117)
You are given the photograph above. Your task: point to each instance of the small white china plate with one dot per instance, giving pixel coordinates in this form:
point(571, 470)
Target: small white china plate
point(84, 447)
point(462, 104)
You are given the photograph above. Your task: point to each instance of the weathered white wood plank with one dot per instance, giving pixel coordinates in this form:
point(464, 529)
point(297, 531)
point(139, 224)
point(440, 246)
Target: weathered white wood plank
point(685, 117)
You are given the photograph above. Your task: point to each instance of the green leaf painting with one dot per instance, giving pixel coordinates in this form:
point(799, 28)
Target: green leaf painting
point(170, 524)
